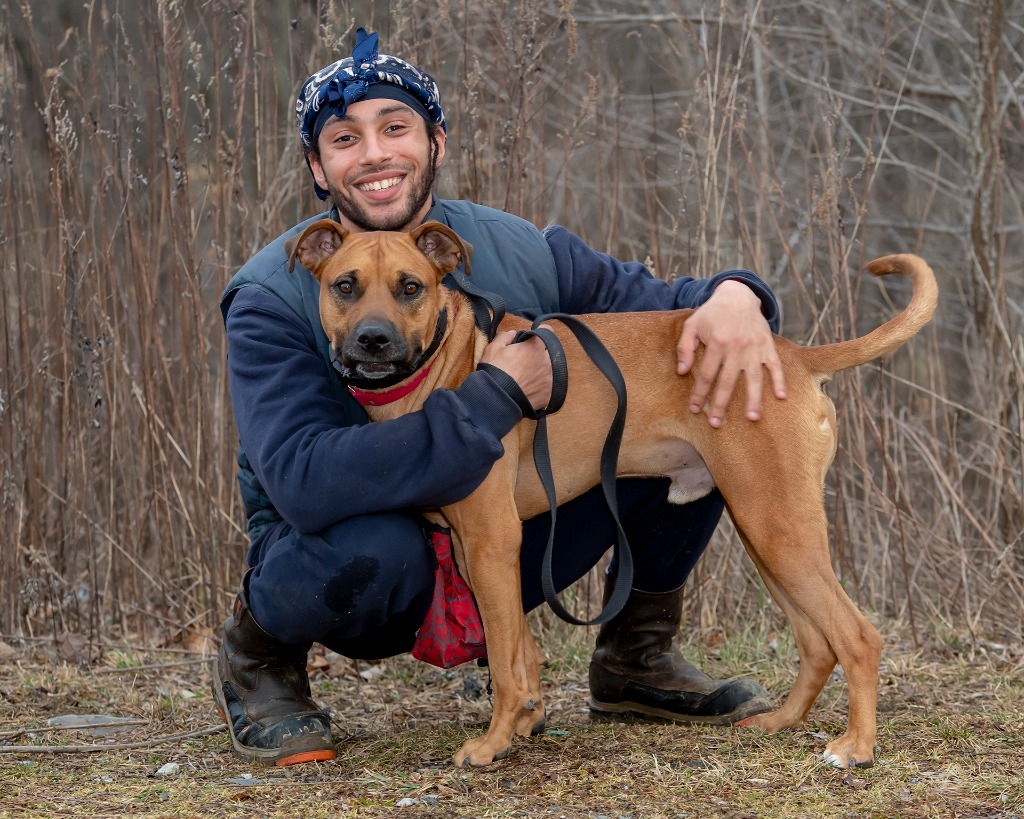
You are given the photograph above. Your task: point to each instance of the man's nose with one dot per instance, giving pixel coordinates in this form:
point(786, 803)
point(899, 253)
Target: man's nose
point(375, 149)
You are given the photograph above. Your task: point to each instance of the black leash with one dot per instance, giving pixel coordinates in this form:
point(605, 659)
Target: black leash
point(604, 361)
point(488, 308)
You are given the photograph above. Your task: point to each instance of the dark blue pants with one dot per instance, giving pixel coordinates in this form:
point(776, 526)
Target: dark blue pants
point(363, 586)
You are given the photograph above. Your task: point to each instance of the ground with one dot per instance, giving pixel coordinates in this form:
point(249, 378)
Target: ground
point(951, 715)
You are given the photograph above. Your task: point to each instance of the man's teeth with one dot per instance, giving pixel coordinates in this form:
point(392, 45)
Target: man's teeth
point(381, 184)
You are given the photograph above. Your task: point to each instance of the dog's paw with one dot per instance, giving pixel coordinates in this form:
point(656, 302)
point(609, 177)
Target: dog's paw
point(530, 722)
point(481, 751)
point(770, 721)
point(844, 753)
point(842, 762)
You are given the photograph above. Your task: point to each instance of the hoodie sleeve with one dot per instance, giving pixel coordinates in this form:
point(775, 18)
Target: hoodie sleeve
point(315, 467)
point(593, 282)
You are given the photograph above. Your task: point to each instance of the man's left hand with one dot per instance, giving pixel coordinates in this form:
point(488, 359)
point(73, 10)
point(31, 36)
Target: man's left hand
point(737, 340)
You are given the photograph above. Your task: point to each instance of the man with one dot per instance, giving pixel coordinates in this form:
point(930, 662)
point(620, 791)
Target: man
point(338, 553)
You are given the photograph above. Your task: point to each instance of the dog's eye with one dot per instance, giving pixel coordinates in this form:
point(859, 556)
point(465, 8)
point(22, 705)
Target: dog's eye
point(344, 287)
point(411, 288)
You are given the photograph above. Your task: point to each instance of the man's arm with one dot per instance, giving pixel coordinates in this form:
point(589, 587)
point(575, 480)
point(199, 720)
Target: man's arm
point(593, 282)
point(318, 471)
point(735, 315)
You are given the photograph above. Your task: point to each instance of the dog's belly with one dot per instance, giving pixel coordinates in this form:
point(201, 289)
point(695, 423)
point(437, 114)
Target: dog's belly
point(674, 459)
point(640, 457)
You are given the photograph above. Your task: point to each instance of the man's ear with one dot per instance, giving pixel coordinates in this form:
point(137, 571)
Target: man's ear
point(315, 244)
point(442, 245)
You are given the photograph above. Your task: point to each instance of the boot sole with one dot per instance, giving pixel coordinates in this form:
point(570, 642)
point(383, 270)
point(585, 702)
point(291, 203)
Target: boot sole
point(267, 756)
point(600, 709)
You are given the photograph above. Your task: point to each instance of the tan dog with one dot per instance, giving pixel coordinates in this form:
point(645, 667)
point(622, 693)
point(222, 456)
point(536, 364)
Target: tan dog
point(380, 299)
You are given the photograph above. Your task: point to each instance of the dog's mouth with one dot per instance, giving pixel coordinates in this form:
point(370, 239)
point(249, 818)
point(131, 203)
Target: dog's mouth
point(370, 370)
point(375, 369)
point(372, 358)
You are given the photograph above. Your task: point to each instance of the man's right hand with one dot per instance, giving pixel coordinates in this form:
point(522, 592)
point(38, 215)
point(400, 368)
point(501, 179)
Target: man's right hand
point(526, 362)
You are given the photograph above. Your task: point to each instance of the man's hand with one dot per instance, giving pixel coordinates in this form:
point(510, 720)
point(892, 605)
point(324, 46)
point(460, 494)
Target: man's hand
point(527, 362)
point(737, 339)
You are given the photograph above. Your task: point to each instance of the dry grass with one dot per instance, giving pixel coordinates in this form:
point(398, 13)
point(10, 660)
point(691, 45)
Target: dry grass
point(143, 157)
point(950, 721)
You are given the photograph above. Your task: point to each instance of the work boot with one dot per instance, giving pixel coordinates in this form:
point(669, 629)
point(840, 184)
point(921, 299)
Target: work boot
point(637, 668)
point(262, 691)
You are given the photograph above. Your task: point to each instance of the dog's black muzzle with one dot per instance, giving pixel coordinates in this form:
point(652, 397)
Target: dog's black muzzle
point(374, 350)
point(375, 355)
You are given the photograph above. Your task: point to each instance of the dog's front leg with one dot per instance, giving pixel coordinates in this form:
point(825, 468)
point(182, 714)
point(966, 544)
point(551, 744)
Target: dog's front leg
point(490, 534)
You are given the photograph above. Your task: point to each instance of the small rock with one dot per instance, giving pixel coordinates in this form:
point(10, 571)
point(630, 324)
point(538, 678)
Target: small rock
point(407, 802)
point(7, 653)
point(472, 688)
point(249, 779)
point(431, 799)
point(170, 769)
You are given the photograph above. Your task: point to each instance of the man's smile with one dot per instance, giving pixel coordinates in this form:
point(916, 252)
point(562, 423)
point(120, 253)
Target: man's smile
point(381, 187)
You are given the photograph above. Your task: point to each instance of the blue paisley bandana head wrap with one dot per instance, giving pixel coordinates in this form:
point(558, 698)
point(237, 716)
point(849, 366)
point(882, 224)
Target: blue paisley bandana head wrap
point(331, 90)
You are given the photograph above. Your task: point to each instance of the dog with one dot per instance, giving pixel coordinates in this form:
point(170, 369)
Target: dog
point(380, 302)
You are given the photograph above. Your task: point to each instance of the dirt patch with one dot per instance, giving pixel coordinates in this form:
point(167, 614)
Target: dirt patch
point(950, 721)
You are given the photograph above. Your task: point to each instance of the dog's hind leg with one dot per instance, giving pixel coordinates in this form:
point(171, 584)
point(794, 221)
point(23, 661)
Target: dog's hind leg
point(816, 657)
point(791, 549)
point(492, 528)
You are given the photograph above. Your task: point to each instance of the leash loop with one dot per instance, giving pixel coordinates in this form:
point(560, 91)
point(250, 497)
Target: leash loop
point(605, 362)
point(488, 310)
point(559, 369)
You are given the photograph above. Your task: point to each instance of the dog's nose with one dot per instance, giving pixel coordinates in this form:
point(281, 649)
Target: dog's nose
point(373, 337)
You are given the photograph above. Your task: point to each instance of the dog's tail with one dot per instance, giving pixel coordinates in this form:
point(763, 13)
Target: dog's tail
point(830, 358)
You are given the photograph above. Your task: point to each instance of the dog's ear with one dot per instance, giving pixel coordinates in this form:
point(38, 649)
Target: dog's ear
point(317, 242)
point(442, 245)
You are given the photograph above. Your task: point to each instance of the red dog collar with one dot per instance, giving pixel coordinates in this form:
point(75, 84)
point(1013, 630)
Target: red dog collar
point(379, 399)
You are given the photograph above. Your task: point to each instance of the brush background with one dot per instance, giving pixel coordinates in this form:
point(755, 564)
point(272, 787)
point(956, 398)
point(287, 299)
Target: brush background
point(147, 149)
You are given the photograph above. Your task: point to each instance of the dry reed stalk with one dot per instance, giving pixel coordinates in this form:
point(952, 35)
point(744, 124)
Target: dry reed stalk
point(143, 157)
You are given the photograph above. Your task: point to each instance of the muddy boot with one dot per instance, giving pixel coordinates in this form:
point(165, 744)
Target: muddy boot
point(262, 692)
point(637, 668)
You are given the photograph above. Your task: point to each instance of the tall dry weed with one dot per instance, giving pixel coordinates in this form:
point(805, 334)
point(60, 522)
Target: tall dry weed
point(145, 154)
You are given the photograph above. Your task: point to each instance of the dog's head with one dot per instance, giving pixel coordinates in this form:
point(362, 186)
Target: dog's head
point(380, 292)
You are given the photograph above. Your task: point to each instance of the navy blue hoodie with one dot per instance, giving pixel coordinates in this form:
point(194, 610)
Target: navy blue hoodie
point(308, 457)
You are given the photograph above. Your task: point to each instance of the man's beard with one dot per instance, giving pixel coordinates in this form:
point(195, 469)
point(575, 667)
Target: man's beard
point(364, 218)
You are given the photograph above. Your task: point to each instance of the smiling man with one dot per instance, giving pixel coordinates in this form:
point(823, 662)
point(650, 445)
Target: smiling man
point(338, 551)
point(385, 166)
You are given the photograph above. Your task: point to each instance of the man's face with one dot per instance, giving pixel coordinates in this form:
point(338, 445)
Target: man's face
point(379, 164)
